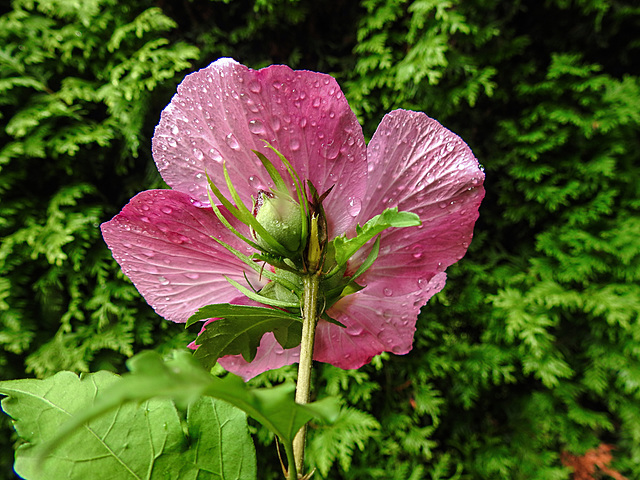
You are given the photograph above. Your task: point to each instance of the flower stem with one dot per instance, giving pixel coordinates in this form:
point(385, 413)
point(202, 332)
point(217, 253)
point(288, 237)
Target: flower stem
point(311, 285)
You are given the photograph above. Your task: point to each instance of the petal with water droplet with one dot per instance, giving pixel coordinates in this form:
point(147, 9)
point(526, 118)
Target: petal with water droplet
point(419, 166)
point(168, 253)
point(296, 109)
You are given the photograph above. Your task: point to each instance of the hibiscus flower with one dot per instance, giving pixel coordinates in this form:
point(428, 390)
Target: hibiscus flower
point(164, 239)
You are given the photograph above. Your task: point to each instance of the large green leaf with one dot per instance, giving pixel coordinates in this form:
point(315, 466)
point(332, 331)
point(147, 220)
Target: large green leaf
point(240, 330)
point(183, 379)
point(143, 440)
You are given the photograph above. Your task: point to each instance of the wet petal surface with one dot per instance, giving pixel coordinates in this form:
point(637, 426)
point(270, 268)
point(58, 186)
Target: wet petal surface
point(163, 244)
point(419, 166)
point(223, 112)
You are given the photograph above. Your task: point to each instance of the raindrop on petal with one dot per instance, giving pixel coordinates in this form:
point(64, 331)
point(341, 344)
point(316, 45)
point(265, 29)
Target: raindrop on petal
point(387, 292)
point(353, 207)
point(256, 127)
point(232, 141)
point(163, 281)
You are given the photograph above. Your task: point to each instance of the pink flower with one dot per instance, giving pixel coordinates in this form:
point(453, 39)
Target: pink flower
point(161, 238)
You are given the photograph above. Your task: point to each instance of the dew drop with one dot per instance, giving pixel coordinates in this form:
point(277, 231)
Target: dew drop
point(354, 330)
point(163, 281)
point(175, 130)
point(255, 87)
point(256, 127)
point(215, 155)
point(232, 141)
point(316, 102)
point(387, 292)
point(192, 276)
point(166, 209)
point(172, 141)
point(294, 144)
point(417, 255)
point(198, 154)
point(275, 123)
point(353, 207)
point(303, 122)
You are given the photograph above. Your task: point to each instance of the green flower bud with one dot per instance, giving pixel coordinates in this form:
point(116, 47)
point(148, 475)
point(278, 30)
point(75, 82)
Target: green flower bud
point(280, 217)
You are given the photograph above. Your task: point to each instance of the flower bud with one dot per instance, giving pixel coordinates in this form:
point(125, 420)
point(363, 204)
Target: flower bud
point(280, 217)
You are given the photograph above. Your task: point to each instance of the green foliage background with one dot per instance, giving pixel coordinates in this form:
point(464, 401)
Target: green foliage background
point(533, 347)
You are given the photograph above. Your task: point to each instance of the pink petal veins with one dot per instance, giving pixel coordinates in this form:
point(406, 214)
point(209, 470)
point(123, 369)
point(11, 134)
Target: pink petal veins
point(223, 112)
point(374, 324)
point(163, 244)
point(419, 166)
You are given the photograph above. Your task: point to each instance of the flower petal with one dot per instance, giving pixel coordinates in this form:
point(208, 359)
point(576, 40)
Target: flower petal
point(163, 244)
point(270, 356)
point(374, 324)
point(226, 110)
point(419, 166)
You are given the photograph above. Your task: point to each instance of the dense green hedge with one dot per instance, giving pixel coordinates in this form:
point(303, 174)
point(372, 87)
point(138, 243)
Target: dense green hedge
point(532, 349)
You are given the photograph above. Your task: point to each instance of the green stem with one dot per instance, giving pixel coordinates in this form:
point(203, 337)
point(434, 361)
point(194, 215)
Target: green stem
point(311, 285)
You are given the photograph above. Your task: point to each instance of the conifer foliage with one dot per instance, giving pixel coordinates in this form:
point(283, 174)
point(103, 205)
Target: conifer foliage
point(527, 365)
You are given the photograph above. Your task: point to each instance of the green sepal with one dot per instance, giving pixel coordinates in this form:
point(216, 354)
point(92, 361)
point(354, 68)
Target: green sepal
point(278, 181)
point(345, 248)
point(261, 298)
point(249, 261)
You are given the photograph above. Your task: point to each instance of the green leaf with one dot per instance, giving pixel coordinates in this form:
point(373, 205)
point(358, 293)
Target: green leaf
point(240, 330)
point(183, 379)
point(391, 217)
point(143, 440)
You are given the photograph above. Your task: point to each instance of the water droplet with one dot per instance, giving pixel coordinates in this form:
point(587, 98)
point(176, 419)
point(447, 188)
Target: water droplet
point(163, 281)
point(255, 182)
point(255, 87)
point(303, 122)
point(215, 155)
point(172, 141)
point(294, 144)
point(166, 209)
point(417, 255)
point(316, 102)
point(353, 207)
point(232, 141)
point(198, 154)
point(145, 219)
point(275, 123)
point(387, 292)
point(256, 127)
point(192, 276)
point(354, 330)
point(175, 130)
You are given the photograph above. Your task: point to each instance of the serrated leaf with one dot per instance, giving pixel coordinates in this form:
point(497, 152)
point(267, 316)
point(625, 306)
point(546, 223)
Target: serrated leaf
point(242, 335)
point(142, 440)
point(184, 380)
point(240, 329)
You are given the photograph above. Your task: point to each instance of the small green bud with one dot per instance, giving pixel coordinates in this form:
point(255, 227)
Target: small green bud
point(280, 216)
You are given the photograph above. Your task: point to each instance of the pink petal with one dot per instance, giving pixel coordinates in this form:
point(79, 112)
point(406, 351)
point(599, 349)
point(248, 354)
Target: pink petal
point(374, 324)
point(226, 110)
point(269, 357)
point(419, 166)
point(163, 244)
